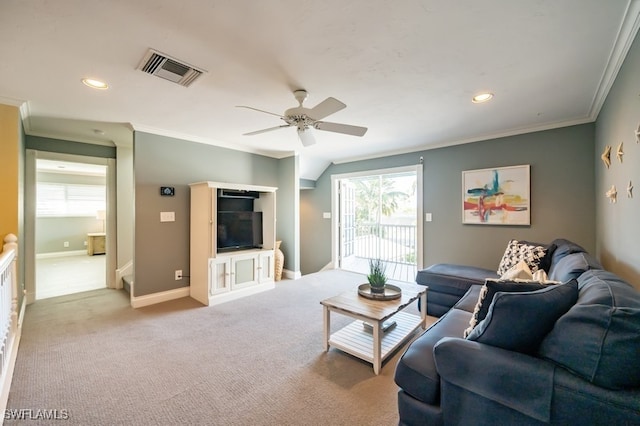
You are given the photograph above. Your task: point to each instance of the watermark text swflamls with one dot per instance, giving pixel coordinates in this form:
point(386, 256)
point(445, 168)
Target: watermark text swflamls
point(35, 414)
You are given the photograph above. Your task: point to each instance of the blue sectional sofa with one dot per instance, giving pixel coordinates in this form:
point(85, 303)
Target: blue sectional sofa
point(567, 354)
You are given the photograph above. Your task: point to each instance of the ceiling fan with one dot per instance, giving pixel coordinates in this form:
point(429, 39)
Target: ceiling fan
point(306, 118)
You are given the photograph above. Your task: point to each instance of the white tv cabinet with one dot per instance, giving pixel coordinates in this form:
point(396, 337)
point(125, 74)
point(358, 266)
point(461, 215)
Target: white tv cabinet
point(218, 277)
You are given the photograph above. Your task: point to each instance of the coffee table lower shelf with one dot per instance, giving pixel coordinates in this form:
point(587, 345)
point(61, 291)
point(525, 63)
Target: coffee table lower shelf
point(355, 340)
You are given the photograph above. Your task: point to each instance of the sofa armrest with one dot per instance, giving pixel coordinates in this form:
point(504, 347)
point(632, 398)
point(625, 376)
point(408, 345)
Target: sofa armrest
point(511, 379)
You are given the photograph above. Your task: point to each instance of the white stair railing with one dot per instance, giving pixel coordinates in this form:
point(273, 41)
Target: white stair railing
point(9, 332)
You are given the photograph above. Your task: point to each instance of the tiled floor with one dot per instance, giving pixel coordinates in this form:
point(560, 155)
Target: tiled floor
point(57, 276)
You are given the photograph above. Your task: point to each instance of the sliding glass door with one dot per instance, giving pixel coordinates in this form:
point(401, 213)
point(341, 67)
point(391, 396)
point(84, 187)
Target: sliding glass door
point(378, 219)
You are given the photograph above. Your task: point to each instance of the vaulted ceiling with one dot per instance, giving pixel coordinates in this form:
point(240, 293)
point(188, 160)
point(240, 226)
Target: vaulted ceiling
point(406, 70)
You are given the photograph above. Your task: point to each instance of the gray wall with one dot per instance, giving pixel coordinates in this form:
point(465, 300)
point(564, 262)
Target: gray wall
point(618, 229)
point(67, 147)
point(288, 212)
point(161, 248)
point(562, 197)
point(52, 232)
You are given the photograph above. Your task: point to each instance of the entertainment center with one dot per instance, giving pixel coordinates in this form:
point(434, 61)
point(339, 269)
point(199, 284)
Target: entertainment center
point(232, 240)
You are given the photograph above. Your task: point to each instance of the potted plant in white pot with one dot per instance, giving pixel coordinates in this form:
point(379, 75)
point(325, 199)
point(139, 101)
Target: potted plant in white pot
point(377, 277)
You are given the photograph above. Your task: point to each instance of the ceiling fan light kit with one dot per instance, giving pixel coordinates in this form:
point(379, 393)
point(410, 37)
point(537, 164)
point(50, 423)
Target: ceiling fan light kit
point(304, 119)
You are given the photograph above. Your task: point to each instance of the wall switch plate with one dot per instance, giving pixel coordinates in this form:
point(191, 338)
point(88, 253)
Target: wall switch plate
point(167, 216)
point(66, 244)
point(326, 215)
point(428, 217)
point(178, 274)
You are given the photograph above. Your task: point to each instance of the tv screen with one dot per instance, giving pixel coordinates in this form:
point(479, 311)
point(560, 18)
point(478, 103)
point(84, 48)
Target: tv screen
point(239, 230)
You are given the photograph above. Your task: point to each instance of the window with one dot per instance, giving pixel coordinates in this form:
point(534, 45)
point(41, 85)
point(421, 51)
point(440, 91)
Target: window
point(63, 199)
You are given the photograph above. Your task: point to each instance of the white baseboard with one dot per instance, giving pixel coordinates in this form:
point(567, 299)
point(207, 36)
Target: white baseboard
point(61, 254)
point(163, 296)
point(327, 267)
point(126, 269)
point(291, 275)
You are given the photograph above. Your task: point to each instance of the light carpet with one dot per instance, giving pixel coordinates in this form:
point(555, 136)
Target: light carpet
point(253, 361)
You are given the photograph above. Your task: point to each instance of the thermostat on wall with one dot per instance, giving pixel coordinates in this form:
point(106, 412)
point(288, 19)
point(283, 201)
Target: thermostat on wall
point(167, 191)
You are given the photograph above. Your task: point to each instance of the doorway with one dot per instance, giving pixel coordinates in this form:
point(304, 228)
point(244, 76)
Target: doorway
point(69, 224)
point(378, 217)
point(70, 227)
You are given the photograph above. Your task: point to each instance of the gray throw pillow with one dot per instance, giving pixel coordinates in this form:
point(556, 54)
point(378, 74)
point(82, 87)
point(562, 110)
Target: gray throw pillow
point(489, 289)
point(520, 321)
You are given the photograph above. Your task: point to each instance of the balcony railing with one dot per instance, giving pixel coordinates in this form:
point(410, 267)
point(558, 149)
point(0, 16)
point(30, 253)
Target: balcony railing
point(395, 245)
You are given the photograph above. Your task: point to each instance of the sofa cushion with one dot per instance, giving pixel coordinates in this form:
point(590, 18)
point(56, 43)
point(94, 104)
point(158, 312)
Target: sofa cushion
point(599, 337)
point(563, 248)
point(452, 279)
point(519, 321)
point(416, 371)
point(469, 301)
point(488, 290)
point(516, 251)
point(572, 266)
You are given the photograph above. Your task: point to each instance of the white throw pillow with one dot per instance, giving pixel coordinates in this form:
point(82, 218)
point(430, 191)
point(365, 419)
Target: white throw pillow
point(520, 271)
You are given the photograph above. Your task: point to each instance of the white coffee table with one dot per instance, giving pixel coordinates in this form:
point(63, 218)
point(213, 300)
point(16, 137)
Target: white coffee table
point(374, 346)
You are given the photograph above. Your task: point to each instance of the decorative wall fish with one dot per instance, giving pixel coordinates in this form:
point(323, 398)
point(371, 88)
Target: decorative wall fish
point(606, 156)
point(612, 194)
point(620, 152)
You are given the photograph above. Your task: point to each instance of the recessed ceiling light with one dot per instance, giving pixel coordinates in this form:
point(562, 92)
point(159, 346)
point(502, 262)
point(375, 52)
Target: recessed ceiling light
point(482, 97)
point(95, 84)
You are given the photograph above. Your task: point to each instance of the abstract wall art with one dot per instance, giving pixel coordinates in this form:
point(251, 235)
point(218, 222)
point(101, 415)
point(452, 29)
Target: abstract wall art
point(496, 196)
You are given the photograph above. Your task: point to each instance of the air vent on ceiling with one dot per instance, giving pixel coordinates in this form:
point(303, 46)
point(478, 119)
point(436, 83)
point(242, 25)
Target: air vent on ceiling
point(164, 66)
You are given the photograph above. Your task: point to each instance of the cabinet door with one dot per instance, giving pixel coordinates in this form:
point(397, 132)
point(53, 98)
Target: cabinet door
point(266, 269)
point(244, 270)
point(219, 275)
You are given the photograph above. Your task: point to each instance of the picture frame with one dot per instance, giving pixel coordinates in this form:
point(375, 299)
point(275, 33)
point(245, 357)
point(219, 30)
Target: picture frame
point(497, 196)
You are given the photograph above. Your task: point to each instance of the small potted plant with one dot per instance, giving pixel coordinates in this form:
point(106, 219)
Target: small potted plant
point(377, 278)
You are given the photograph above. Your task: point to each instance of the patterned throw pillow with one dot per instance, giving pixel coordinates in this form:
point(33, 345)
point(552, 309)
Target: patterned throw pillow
point(531, 254)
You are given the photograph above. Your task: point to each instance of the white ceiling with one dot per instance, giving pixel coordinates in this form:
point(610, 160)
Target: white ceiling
point(406, 69)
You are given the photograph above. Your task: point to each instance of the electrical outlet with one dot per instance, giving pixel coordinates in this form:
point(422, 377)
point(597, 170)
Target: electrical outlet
point(178, 274)
point(85, 243)
point(66, 244)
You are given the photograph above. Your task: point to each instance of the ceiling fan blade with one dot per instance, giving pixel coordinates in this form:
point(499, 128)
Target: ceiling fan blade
point(341, 128)
point(326, 108)
point(306, 137)
point(257, 132)
point(259, 110)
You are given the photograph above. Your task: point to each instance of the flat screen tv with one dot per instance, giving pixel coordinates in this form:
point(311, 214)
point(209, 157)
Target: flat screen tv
point(239, 230)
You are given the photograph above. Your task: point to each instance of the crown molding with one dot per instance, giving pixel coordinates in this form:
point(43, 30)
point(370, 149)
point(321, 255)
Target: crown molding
point(624, 40)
